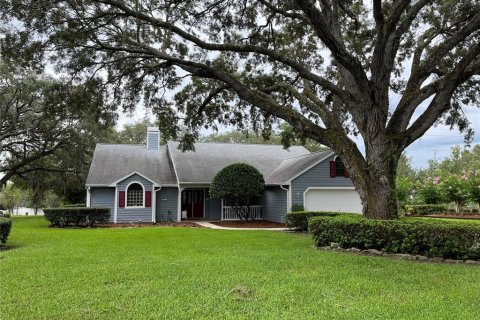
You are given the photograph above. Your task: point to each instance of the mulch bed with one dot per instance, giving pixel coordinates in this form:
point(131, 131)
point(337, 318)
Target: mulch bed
point(250, 224)
point(183, 224)
point(452, 216)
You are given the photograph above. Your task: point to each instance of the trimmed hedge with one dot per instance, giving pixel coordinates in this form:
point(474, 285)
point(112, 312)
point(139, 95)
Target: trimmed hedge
point(422, 209)
point(298, 221)
point(75, 205)
point(5, 227)
point(63, 217)
point(411, 236)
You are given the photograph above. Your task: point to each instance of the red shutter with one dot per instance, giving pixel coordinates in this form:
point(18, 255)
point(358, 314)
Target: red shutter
point(346, 174)
point(121, 199)
point(148, 199)
point(333, 171)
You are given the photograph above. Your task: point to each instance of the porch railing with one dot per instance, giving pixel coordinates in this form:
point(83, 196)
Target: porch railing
point(229, 213)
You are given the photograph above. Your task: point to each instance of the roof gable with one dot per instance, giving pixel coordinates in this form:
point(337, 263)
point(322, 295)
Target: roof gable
point(201, 165)
point(133, 173)
point(291, 168)
point(113, 162)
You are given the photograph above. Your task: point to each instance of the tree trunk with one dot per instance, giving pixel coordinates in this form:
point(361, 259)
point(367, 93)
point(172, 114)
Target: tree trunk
point(375, 182)
point(381, 200)
point(458, 206)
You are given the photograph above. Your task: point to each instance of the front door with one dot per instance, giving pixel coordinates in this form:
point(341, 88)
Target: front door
point(192, 202)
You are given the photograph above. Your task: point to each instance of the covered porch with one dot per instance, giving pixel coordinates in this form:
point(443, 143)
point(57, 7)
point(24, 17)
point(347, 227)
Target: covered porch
point(229, 212)
point(196, 204)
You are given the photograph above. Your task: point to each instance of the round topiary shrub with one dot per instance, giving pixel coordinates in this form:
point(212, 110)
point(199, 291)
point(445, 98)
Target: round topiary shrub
point(239, 184)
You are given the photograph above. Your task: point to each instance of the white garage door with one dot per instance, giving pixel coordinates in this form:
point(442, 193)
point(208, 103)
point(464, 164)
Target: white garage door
point(344, 200)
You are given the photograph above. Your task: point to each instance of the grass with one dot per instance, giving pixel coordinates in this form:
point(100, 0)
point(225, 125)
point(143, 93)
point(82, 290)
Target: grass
point(190, 273)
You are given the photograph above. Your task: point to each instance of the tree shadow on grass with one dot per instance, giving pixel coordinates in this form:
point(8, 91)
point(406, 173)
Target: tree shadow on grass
point(9, 247)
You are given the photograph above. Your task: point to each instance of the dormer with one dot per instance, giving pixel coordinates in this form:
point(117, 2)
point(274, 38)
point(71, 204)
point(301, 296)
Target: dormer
point(153, 138)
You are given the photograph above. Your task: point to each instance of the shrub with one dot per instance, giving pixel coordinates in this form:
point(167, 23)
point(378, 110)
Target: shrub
point(474, 210)
point(5, 227)
point(298, 220)
point(75, 205)
point(296, 207)
point(62, 217)
point(411, 236)
point(239, 184)
point(404, 190)
point(422, 209)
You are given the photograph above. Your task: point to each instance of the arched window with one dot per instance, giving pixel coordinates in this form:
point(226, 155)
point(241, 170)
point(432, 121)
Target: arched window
point(135, 195)
point(339, 167)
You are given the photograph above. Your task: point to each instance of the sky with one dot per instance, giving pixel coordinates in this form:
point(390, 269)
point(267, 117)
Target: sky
point(438, 140)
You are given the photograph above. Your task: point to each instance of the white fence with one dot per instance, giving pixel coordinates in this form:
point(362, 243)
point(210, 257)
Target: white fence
point(230, 214)
point(23, 211)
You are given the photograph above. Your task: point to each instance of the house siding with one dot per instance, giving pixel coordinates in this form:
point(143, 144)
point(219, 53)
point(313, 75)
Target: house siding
point(167, 200)
point(274, 204)
point(318, 176)
point(103, 198)
point(134, 214)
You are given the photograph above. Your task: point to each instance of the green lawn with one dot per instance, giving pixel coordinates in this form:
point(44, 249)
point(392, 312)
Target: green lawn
point(188, 273)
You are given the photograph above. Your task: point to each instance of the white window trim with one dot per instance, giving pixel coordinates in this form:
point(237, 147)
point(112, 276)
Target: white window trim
point(114, 184)
point(126, 196)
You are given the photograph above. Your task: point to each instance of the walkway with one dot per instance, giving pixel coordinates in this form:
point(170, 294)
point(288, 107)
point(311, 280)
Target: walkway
point(206, 224)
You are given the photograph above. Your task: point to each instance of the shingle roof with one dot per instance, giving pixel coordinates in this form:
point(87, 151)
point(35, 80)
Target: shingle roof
point(290, 167)
point(209, 158)
point(112, 162)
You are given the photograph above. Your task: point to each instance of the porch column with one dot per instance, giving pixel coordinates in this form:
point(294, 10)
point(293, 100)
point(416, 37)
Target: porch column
point(87, 204)
point(221, 212)
point(179, 203)
point(154, 203)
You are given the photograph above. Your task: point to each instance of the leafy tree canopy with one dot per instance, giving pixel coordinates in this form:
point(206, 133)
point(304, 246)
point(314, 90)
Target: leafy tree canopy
point(462, 161)
point(276, 137)
point(48, 130)
point(328, 68)
point(238, 183)
point(134, 133)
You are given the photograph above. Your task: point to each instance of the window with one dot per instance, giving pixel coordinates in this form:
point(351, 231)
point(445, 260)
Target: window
point(339, 167)
point(135, 195)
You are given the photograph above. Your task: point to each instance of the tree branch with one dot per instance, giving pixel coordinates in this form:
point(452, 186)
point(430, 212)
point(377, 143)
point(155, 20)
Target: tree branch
point(248, 48)
point(441, 102)
point(336, 46)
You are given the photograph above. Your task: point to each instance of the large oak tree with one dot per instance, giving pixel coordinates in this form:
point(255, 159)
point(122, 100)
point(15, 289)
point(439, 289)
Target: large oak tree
point(48, 128)
point(329, 68)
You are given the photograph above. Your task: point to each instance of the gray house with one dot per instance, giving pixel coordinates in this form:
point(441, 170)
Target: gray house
point(157, 183)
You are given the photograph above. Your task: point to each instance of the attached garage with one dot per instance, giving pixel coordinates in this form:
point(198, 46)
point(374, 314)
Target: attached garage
point(341, 199)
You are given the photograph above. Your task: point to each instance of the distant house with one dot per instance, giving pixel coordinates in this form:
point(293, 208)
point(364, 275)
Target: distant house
point(151, 183)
